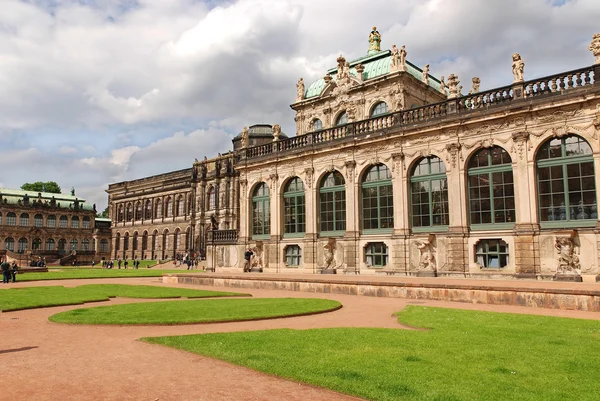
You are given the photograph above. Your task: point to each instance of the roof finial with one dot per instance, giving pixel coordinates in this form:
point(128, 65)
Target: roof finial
point(374, 41)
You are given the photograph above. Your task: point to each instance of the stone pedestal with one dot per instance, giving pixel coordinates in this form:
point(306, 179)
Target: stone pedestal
point(329, 271)
point(426, 273)
point(568, 277)
point(598, 278)
point(256, 270)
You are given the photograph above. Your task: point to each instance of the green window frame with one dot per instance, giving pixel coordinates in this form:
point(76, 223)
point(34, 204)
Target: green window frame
point(261, 212)
point(429, 195)
point(293, 255)
point(342, 119)
point(294, 209)
point(317, 124)
point(379, 109)
point(332, 204)
point(491, 189)
point(376, 254)
point(492, 254)
point(566, 183)
point(377, 200)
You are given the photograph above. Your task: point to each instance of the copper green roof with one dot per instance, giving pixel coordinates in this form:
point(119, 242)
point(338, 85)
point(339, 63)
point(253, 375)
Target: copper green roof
point(103, 219)
point(375, 65)
point(13, 196)
point(260, 131)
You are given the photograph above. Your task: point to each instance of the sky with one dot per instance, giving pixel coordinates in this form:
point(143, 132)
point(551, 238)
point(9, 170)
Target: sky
point(94, 92)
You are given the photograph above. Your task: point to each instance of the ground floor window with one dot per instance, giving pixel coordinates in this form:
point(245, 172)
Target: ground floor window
point(103, 245)
point(491, 253)
point(376, 254)
point(293, 255)
point(49, 244)
point(9, 244)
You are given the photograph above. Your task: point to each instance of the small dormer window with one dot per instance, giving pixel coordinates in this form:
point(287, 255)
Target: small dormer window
point(317, 124)
point(342, 119)
point(379, 109)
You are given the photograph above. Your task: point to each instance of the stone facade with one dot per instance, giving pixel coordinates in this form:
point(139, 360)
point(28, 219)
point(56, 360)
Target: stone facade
point(393, 170)
point(59, 228)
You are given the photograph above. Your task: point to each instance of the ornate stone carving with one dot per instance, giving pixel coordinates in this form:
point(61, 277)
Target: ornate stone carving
point(309, 172)
point(595, 47)
point(442, 85)
point(519, 141)
point(475, 87)
point(374, 41)
point(273, 178)
point(425, 74)
point(397, 158)
point(300, 90)
point(453, 86)
point(403, 58)
point(427, 260)
point(329, 254)
point(350, 166)
point(359, 70)
point(276, 132)
point(395, 58)
point(518, 67)
point(256, 260)
point(245, 137)
point(453, 150)
point(596, 122)
point(568, 260)
point(327, 78)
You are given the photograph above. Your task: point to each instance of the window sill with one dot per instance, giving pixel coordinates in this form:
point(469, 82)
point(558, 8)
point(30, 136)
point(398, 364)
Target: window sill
point(295, 235)
point(325, 234)
point(492, 227)
point(260, 237)
point(430, 229)
point(378, 231)
point(568, 224)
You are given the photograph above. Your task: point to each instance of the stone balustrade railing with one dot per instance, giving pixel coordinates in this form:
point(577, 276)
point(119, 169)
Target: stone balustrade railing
point(222, 236)
point(547, 86)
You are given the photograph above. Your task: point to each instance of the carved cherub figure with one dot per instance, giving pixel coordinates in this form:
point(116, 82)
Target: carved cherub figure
point(518, 66)
point(245, 136)
point(300, 89)
point(595, 47)
point(426, 74)
point(427, 259)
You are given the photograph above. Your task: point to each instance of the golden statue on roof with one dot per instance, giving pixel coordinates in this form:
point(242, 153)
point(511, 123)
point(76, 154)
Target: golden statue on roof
point(374, 41)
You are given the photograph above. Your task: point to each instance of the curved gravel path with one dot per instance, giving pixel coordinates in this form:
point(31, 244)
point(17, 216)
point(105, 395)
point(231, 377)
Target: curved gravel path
point(49, 361)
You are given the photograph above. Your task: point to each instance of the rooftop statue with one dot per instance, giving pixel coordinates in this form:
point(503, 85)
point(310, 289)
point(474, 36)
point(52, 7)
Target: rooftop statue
point(475, 87)
point(395, 57)
point(276, 132)
point(517, 67)
point(300, 89)
point(425, 77)
point(442, 85)
point(245, 142)
point(595, 47)
point(374, 41)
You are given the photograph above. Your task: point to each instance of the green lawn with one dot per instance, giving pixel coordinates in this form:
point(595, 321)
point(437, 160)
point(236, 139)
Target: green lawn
point(38, 297)
point(185, 312)
point(66, 273)
point(466, 355)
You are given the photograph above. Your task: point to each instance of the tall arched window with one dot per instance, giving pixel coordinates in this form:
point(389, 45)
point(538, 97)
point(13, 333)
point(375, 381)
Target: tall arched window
point(332, 204)
point(11, 219)
point(377, 199)
point(87, 223)
point(429, 193)
point(38, 220)
point(317, 124)
point(9, 244)
point(379, 109)
point(22, 245)
point(138, 210)
point(120, 215)
point(24, 220)
point(566, 183)
point(180, 206)
point(212, 198)
point(148, 210)
point(73, 245)
point(134, 241)
point(50, 245)
point(158, 213)
point(491, 190)
point(51, 221)
point(126, 242)
point(75, 222)
point(177, 239)
point(144, 241)
point(261, 212)
point(85, 245)
point(342, 119)
point(36, 244)
point(63, 222)
point(62, 244)
point(169, 207)
point(129, 213)
point(294, 208)
point(165, 240)
point(155, 240)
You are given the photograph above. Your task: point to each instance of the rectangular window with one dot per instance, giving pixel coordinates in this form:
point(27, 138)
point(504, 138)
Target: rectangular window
point(51, 222)
point(86, 222)
point(11, 220)
point(376, 254)
point(293, 255)
point(38, 221)
point(75, 223)
point(492, 253)
point(62, 223)
point(24, 221)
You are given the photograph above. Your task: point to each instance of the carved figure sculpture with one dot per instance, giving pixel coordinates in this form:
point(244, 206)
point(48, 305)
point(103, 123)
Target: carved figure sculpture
point(453, 86)
point(442, 85)
point(374, 40)
point(403, 57)
point(395, 57)
point(475, 87)
point(257, 257)
point(568, 260)
point(426, 74)
point(203, 168)
point(276, 132)
point(518, 67)
point(245, 136)
point(329, 254)
point(300, 89)
point(427, 259)
point(595, 47)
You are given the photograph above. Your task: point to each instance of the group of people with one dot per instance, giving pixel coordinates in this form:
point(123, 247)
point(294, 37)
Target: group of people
point(109, 264)
point(9, 271)
point(191, 263)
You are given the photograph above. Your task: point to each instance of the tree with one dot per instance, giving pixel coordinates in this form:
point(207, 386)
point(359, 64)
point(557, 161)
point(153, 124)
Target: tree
point(104, 214)
point(48, 186)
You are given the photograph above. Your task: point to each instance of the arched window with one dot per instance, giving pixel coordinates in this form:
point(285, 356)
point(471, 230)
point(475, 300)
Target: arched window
point(148, 210)
point(38, 220)
point(134, 241)
point(24, 220)
point(158, 214)
point(377, 199)
point(87, 222)
point(261, 212)
point(145, 241)
point(177, 239)
point(429, 193)
point(169, 207)
point(63, 222)
point(85, 245)
point(126, 242)
point(138, 210)
point(212, 198)
point(165, 240)
point(155, 240)
point(120, 215)
point(9, 244)
point(332, 204)
point(73, 245)
point(294, 210)
point(75, 222)
point(104, 245)
point(11, 219)
point(566, 182)
point(62, 244)
point(180, 206)
point(22, 245)
point(51, 221)
point(342, 119)
point(50, 245)
point(491, 190)
point(317, 124)
point(129, 214)
point(36, 244)
point(117, 242)
point(379, 109)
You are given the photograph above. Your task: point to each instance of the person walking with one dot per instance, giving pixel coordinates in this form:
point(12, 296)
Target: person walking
point(247, 255)
point(125, 263)
point(13, 271)
point(5, 271)
point(119, 263)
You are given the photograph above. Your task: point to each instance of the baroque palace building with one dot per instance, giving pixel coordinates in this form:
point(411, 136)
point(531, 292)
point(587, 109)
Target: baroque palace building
point(58, 228)
point(393, 170)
